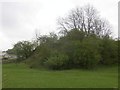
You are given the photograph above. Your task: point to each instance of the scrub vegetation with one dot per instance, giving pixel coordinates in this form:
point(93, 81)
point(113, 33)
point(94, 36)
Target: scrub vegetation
point(82, 54)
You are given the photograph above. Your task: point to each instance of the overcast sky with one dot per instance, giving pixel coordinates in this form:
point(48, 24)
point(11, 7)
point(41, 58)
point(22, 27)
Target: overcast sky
point(19, 19)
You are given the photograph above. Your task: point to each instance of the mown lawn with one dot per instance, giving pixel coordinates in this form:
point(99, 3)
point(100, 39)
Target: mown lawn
point(20, 76)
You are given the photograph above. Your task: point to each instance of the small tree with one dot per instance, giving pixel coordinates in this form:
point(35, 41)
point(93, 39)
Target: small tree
point(23, 49)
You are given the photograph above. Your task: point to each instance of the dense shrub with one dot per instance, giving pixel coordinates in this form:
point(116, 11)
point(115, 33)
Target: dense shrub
point(76, 49)
point(72, 51)
point(39, 56)
point(86, 54)
point(57, 61)
point(109, 51)
point(75, 34)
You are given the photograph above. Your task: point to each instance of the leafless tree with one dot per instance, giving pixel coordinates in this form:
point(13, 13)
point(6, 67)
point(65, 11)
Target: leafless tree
point(86, 19)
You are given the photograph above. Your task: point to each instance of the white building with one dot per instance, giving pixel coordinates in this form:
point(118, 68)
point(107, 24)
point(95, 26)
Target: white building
point(5, 55)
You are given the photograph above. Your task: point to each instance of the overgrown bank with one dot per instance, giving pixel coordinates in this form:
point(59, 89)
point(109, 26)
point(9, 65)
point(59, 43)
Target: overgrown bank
point(74, 51)
point(84, 41)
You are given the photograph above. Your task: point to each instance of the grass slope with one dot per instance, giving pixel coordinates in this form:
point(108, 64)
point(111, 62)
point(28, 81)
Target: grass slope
point(20, 76)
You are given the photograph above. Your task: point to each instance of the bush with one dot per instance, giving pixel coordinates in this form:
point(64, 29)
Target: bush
point(109, 51)
point(57, 61)
point(39, 57)
point(86, 54)
point(77, 50)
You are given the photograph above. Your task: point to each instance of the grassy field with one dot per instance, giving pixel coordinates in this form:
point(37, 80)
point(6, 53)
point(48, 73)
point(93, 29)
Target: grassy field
point(20, 76)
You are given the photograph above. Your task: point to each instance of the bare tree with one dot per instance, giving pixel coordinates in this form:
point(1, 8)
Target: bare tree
point(73, 20)
point(86, 19)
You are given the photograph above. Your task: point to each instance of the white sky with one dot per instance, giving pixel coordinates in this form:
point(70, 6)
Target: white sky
point(20, 18)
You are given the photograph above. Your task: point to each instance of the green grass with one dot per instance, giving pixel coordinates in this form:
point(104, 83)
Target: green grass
point(20, 76)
